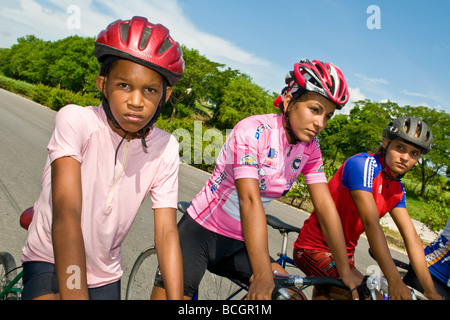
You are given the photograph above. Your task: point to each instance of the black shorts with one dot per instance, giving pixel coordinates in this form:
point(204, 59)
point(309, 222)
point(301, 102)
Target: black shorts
point(206, 250)
point(39, 278)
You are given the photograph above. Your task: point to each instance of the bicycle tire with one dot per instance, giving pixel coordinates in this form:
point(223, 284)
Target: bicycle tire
point(215, 287)
point(8, 272)
point(144, 255)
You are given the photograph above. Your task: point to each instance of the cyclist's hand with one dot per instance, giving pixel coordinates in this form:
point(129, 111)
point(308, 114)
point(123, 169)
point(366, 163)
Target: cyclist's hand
point(432, 296)
point(352, 280)
point(261, 289)
point(399, 291)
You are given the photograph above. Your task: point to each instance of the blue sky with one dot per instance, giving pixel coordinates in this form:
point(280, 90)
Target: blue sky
point(404, 60)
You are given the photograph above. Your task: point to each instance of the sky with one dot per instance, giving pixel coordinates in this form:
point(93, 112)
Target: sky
point(395, 50)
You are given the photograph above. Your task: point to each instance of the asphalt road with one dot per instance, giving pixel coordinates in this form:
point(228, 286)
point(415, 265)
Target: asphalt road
point(25, 128)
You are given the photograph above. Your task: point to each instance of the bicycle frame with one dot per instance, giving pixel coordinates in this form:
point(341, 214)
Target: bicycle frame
point(10, 287)
point(283, 259)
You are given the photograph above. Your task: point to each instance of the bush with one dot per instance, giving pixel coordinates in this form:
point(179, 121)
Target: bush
point(182, 111)
point(41, 94)
point(54, 98)
point(436, 213)
point(59, 98)
point(20, 87)
point(298, 192)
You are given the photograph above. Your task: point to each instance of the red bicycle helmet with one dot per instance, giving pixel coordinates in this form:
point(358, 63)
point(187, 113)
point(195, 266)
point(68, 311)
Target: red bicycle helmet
point(145, 43)
point(316, 76)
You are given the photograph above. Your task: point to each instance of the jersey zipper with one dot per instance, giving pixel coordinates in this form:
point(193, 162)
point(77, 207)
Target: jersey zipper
point(119, 173)
point(287, 153)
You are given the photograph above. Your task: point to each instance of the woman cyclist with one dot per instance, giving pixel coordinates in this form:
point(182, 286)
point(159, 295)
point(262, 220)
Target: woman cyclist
point(225, 229)
point(365, 188)
point(102, 162)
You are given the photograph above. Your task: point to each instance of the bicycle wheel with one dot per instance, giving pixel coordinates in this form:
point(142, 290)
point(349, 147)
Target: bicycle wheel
point(214, 287)
point(142, 275)
point(8, 272)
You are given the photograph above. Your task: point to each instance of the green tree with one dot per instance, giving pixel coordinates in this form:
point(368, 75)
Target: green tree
point(367, 121)
point(438, 159)
point(69, 63)
point(193, 86)
point(26, 60)
point(332, 138)
point(241, 99)
point(73, 65)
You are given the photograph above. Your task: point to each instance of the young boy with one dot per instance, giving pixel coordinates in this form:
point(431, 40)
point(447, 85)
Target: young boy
point(103, 161)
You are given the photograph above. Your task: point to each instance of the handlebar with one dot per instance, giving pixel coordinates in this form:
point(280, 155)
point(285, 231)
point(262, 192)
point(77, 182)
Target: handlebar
point(384, 289)
point(283, 281)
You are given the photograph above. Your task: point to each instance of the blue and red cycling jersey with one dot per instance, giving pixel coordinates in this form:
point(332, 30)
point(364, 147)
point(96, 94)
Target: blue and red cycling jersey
point(360, 172)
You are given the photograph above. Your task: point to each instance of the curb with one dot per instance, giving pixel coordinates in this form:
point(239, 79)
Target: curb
point(425, 234)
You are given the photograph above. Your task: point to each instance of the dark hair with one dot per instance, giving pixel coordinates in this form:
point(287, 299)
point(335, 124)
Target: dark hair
point(297, 96)
point(378, 150)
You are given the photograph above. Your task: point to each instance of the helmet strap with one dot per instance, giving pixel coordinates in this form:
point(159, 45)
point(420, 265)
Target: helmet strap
point(287, 122)
point(108, 112)
point(103, 72)
point(288, 128)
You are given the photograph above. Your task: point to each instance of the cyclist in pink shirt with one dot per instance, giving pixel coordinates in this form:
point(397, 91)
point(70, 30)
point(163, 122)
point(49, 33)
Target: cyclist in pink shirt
point(225, 229)
point(102, 162)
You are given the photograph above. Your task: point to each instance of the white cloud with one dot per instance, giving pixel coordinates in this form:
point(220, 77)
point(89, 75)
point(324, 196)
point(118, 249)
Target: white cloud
point(416, 94)
point(355, 95)
point(50, 23)
point(371, 80)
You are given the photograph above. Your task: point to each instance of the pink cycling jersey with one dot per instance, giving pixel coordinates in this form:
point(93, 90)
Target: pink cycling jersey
point(256, 148)
point(112, 191)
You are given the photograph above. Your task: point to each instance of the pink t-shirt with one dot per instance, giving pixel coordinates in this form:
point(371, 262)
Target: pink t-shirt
point(112, 193)
point(256, 148)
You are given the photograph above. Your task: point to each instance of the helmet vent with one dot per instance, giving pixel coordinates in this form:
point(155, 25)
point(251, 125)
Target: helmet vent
point(165, 46)
point(146, 33)
point(124, 31)
point(418, 130)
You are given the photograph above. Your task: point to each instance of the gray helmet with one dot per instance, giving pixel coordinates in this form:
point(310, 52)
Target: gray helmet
point(411, 130)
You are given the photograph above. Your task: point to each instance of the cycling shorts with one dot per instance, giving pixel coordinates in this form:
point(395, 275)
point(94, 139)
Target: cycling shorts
point(204, 250)
point(318, 263)
point(39, 278)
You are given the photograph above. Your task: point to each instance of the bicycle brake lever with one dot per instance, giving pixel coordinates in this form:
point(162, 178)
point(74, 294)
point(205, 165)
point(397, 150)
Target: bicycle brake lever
point(280, 293)
point(413, 294)
point(368, 288)
point(371, 284)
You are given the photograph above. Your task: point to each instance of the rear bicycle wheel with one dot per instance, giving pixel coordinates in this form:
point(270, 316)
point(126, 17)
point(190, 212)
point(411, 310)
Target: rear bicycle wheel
point(140, 282)
point(8, 272)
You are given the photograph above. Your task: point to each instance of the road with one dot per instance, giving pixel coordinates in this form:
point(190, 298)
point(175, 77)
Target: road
point(25, 128)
